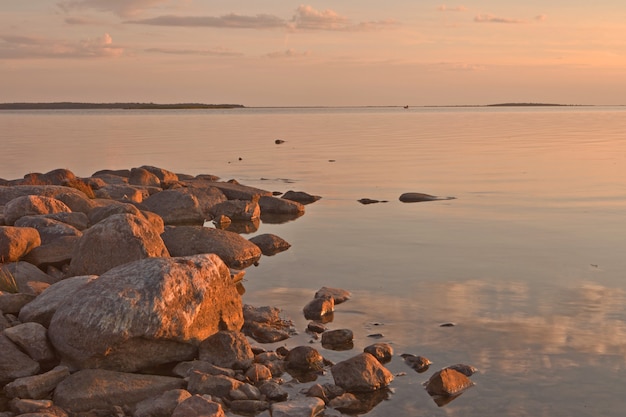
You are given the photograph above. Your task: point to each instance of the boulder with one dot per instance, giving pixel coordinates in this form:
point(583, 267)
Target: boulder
point(49, 229)
point(141, 176)
point(340, 339)
point(34, 408)
point(37, 387)
point(31, 205)
point(118, 239)
point(248, 407)
point(237, 210)
point(227, 349)
point(265, 325)
point(273, 205)
point(113, 207)
point(337, 294)
point(198, 406)
point(74, 199)
point(13, 303)
point(420, 197)
point(15, 242)
point(302, 407)
point(13, 362)
point(56, 253)
point(162, 174)
point(32, 338)
point(42, 308)
point(447, 382)
point(273, 391)
point(257, 373)
point(176, 206)
point(103, 389)
point(270, 244)
point(76, 219)
point(123, 192)
point(161, 307)
point(25, 274)
point(304, 359)
point(236, 251)
point(318, 308)
point(162, 405)
point(361, 373)
point(383, 352)
point(184, 369)
point(217, 385)
point(300, 197)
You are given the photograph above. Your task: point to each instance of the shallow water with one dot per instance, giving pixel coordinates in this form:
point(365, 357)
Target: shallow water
point(527, 261)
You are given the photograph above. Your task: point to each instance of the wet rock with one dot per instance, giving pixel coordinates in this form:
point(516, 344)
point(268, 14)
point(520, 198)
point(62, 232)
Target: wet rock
point(366, 201)
point(420, 197)
point(265, 325)
point(42, 308)
point(302, 407)
point(227, 349)
point(304, 359)
point(32, 339)
point(37, 387)
point(316, 327)
point(217, 385)
point(361, 373)
point(417, 363)
point(162, 405)
point(448, 382)
point(49, 229)
point(13, 362)
point(359, 403)
point(273, 205)
point(301, 197)
point(232, 190)
point(466, 370)
point(31, 205)
point(318, 308)
point(161, 307)
point(15, 242)
point(198, 406)
point(236, 251)
point(237, 210)
point(270, 244)
point(115, 207)
point(340, 339)
point(337, 294)
point(383, 352)
point(279, 141)
point(117, 240)
point(102, 389)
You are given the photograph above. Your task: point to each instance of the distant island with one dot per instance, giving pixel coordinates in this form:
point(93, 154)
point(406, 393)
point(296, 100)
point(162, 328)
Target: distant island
point(524, 104)
point(124, 106)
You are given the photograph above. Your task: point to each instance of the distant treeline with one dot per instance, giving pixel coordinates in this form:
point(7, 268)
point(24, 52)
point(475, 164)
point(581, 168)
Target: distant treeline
point(126, 106)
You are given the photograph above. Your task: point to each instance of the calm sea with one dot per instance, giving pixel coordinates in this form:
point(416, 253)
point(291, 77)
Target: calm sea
point(528, 261)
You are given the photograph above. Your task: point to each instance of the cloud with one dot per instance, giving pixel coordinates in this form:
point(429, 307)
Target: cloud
point(289, 53)
point(305, 18)
point(444, 8)
point(23, 47)
point(123, 8)
point(489, 18)
point(203, 52)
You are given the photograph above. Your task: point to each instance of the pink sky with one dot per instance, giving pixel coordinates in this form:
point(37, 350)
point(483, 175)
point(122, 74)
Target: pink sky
point(282, 53)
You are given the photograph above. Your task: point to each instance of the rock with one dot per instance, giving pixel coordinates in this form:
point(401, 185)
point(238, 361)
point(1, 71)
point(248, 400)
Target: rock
point(304, 359)
point(117, 240)
point(34, 408)
point(30, 205)
point(217, 385)
point(184, 369)
point(56, 253)
point(231, 190)
point(273, 205)
point(418, 363)
point(198, 406)
point(318, 307)
point(237, 210)
point(257, 373)
point(273, 391)
point(366, 201)
point(466, 370)
point(32, 339)
point(24, 275)
point(49, 229)
point(361, 373)
point(37, 387)
point(249, 407)
point(76, 219)
point(13, 363)
point(177, 206)
point(358, 403)
point(115, 207)
point(246, 391)
point(383, 352)
point(236, 251)
point(270, 244)
point(162, 174)
point(337, 294)
point(161, 307)
point(302, 407)
point(74, 199)
point(42, 308)
point(265, 325)
point(102, 389)
point(419, 197)
point(13, 303)
point(279, 141)
point(227, 349)
point(316, 327)
point(162, 405)
point(15, 242)
point(448, 382)
point(300, 197)
point(123, 192)
point(141, 176)
point(340, 339)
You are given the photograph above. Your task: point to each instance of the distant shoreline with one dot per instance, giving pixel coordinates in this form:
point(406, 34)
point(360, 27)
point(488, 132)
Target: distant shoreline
point(110, 106)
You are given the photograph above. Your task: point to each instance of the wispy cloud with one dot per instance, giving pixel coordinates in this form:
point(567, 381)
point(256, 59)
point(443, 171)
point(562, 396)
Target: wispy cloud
point(20, 47)
point(489, 18)
point(445, 8)
point(123, 8)
point(305, 18)
point(289, 53)
point(203, 52)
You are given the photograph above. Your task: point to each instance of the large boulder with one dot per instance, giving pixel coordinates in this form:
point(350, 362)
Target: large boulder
point(31, 205)
point(236, 251)
point(103, 389)
point(49, 229)
point(273, 205)
point(37, 387)
point(177, 206)
point(56, 253)
point(27, 276)
point(32, 339)
point(15, 242)
point(227, 349)
point(237, 210)
point(161, 307)
point(361, 373)
point(141, 176)
point(13, 362)
point(116, 240)
point(76, 200)
point(447, 382)
point(270, 244)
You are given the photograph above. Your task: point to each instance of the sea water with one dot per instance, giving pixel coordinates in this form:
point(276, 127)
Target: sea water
point(527, 262)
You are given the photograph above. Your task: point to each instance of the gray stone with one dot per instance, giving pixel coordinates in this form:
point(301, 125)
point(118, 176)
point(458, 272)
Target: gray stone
point(265, 325)
point(270, 244)
point(13, 362)
point(361, 373)
point(30, 205)
point(273, 205)
point(383, 352)
point(162, 174)
point(56, 253)
point(49, 229)
point(227, 349)
point(257, 373)
point(236, 251)
point(339, 339)
point(163, 405)
point(217, 385)
point(15, 242)
point(141, 176)
point(24, 274)
point(302, 407)
point(300, 197)
point(177, 206)
point(32, 339)
point(102, 389)
point(304, 359)
point(76, 200)
point(117, 240)
point(248, 407)
point(237, 210)
point(198, 406)
point(123, 192)
point(273, 391)
point(161, 307)
point(13, 303)
point(76, 219)
point(115, 207)
point(37, 387)
point(184, 369)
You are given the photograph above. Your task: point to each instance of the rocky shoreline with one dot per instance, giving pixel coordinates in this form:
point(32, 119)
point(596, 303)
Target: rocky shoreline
point(120, 295)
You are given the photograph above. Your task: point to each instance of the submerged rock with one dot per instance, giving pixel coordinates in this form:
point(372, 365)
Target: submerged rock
point(270, 244)
point(420, 197)
point(361, 373)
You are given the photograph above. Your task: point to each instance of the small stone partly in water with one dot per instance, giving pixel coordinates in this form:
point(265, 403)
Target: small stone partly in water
point(371, 201)
point(466, 370)
point(418, 363)
point(279, 141)
point(376, 335)
point(448, 324)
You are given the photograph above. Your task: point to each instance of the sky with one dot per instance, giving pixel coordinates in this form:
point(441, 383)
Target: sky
point(316, 53)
